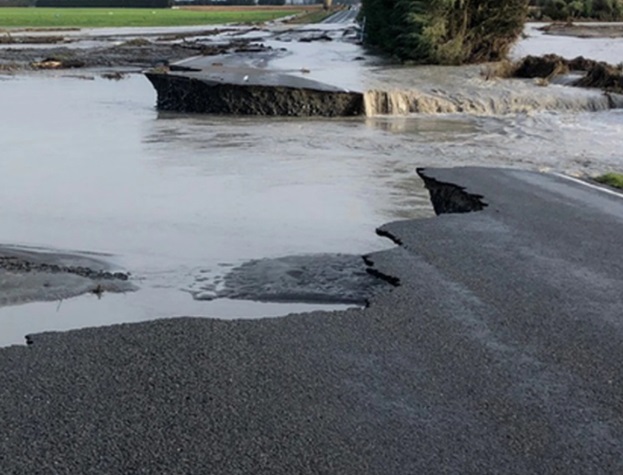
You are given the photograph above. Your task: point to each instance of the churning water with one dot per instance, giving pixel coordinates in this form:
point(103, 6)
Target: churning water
point(90, 165)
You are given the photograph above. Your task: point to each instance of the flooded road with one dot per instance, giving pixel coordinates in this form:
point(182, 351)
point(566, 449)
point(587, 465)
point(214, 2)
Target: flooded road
point(178, 200)
point(90, 165)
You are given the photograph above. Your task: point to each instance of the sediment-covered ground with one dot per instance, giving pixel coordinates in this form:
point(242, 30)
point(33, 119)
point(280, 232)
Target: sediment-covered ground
point(29, 274)
point(316, 278)
point(592, 74)
point(133, 52)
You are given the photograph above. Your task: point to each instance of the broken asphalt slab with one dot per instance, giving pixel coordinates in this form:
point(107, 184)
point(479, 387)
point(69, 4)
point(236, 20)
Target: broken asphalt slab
point(498, 353)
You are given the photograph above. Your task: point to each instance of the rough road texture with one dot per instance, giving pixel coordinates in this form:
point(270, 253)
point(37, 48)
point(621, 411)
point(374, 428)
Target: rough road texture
point(110, 57)
point(183, 94)
point(499, 353)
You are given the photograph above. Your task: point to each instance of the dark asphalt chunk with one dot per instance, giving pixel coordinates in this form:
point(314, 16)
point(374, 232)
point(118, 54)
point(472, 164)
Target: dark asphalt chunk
point(499, 353)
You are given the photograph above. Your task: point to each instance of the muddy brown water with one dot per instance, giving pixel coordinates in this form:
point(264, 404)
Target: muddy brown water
point(90, 165)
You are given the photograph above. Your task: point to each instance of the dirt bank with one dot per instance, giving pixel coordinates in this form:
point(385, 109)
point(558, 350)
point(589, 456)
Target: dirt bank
point(594, 74)
point(137, 53)
point(600, 30)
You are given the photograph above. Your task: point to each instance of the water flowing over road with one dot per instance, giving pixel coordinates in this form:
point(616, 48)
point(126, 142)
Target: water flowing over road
point(491, 342)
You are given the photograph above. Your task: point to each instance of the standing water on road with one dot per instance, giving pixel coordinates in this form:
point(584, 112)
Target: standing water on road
point(178, 200)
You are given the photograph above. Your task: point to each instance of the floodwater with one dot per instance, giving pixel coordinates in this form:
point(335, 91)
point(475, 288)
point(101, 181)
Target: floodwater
point(178, 200)
point(538, 43)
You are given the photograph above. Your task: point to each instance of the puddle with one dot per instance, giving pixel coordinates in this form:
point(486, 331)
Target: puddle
point(148, 304)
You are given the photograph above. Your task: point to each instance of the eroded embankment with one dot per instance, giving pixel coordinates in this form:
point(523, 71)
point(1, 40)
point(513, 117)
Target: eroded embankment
point(450, 198)
point(597, 74)
point(446, 198)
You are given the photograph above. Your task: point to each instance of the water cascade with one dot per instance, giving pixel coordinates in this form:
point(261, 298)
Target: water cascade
point(489, 101)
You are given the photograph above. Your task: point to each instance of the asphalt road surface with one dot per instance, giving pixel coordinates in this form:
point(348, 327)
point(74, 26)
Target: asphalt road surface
point(500, 352)
point(344, 16)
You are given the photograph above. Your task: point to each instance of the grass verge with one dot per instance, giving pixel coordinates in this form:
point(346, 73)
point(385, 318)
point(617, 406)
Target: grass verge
point(614, 180)
point(312, 16)
point(120, 17)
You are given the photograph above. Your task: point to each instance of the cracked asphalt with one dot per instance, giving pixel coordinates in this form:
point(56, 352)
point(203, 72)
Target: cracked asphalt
point(500, 352)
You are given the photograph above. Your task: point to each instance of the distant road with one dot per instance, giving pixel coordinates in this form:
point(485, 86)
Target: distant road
point(344, 16)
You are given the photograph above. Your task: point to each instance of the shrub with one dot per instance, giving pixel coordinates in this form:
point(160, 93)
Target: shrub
point(562, 10)
point(444, 31)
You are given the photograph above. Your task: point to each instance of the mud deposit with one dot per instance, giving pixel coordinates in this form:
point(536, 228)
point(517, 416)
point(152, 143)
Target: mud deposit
point(318, 278)
point(596, 74)
point(585, 30)
point(30, 274)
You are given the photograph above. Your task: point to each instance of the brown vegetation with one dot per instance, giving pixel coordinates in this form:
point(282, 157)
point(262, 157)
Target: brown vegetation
point(8, 39)
point(598, 74)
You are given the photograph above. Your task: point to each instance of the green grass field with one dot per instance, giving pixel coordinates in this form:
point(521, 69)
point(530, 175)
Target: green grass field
point(314, 16)
point(611, 179)
point(118, 17)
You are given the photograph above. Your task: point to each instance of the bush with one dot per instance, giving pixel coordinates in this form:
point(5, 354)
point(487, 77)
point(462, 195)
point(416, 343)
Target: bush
point(610, 10)
point(444, 31)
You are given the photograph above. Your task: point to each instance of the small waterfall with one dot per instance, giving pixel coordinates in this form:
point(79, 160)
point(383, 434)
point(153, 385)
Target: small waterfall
point(405, 102)
point(489, 101)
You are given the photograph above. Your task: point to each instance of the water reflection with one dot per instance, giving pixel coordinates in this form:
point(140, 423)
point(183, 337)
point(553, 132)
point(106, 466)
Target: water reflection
point(431, 128)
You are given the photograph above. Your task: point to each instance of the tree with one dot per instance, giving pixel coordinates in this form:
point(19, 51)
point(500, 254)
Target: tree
point(607, 9)
point(444, 31)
